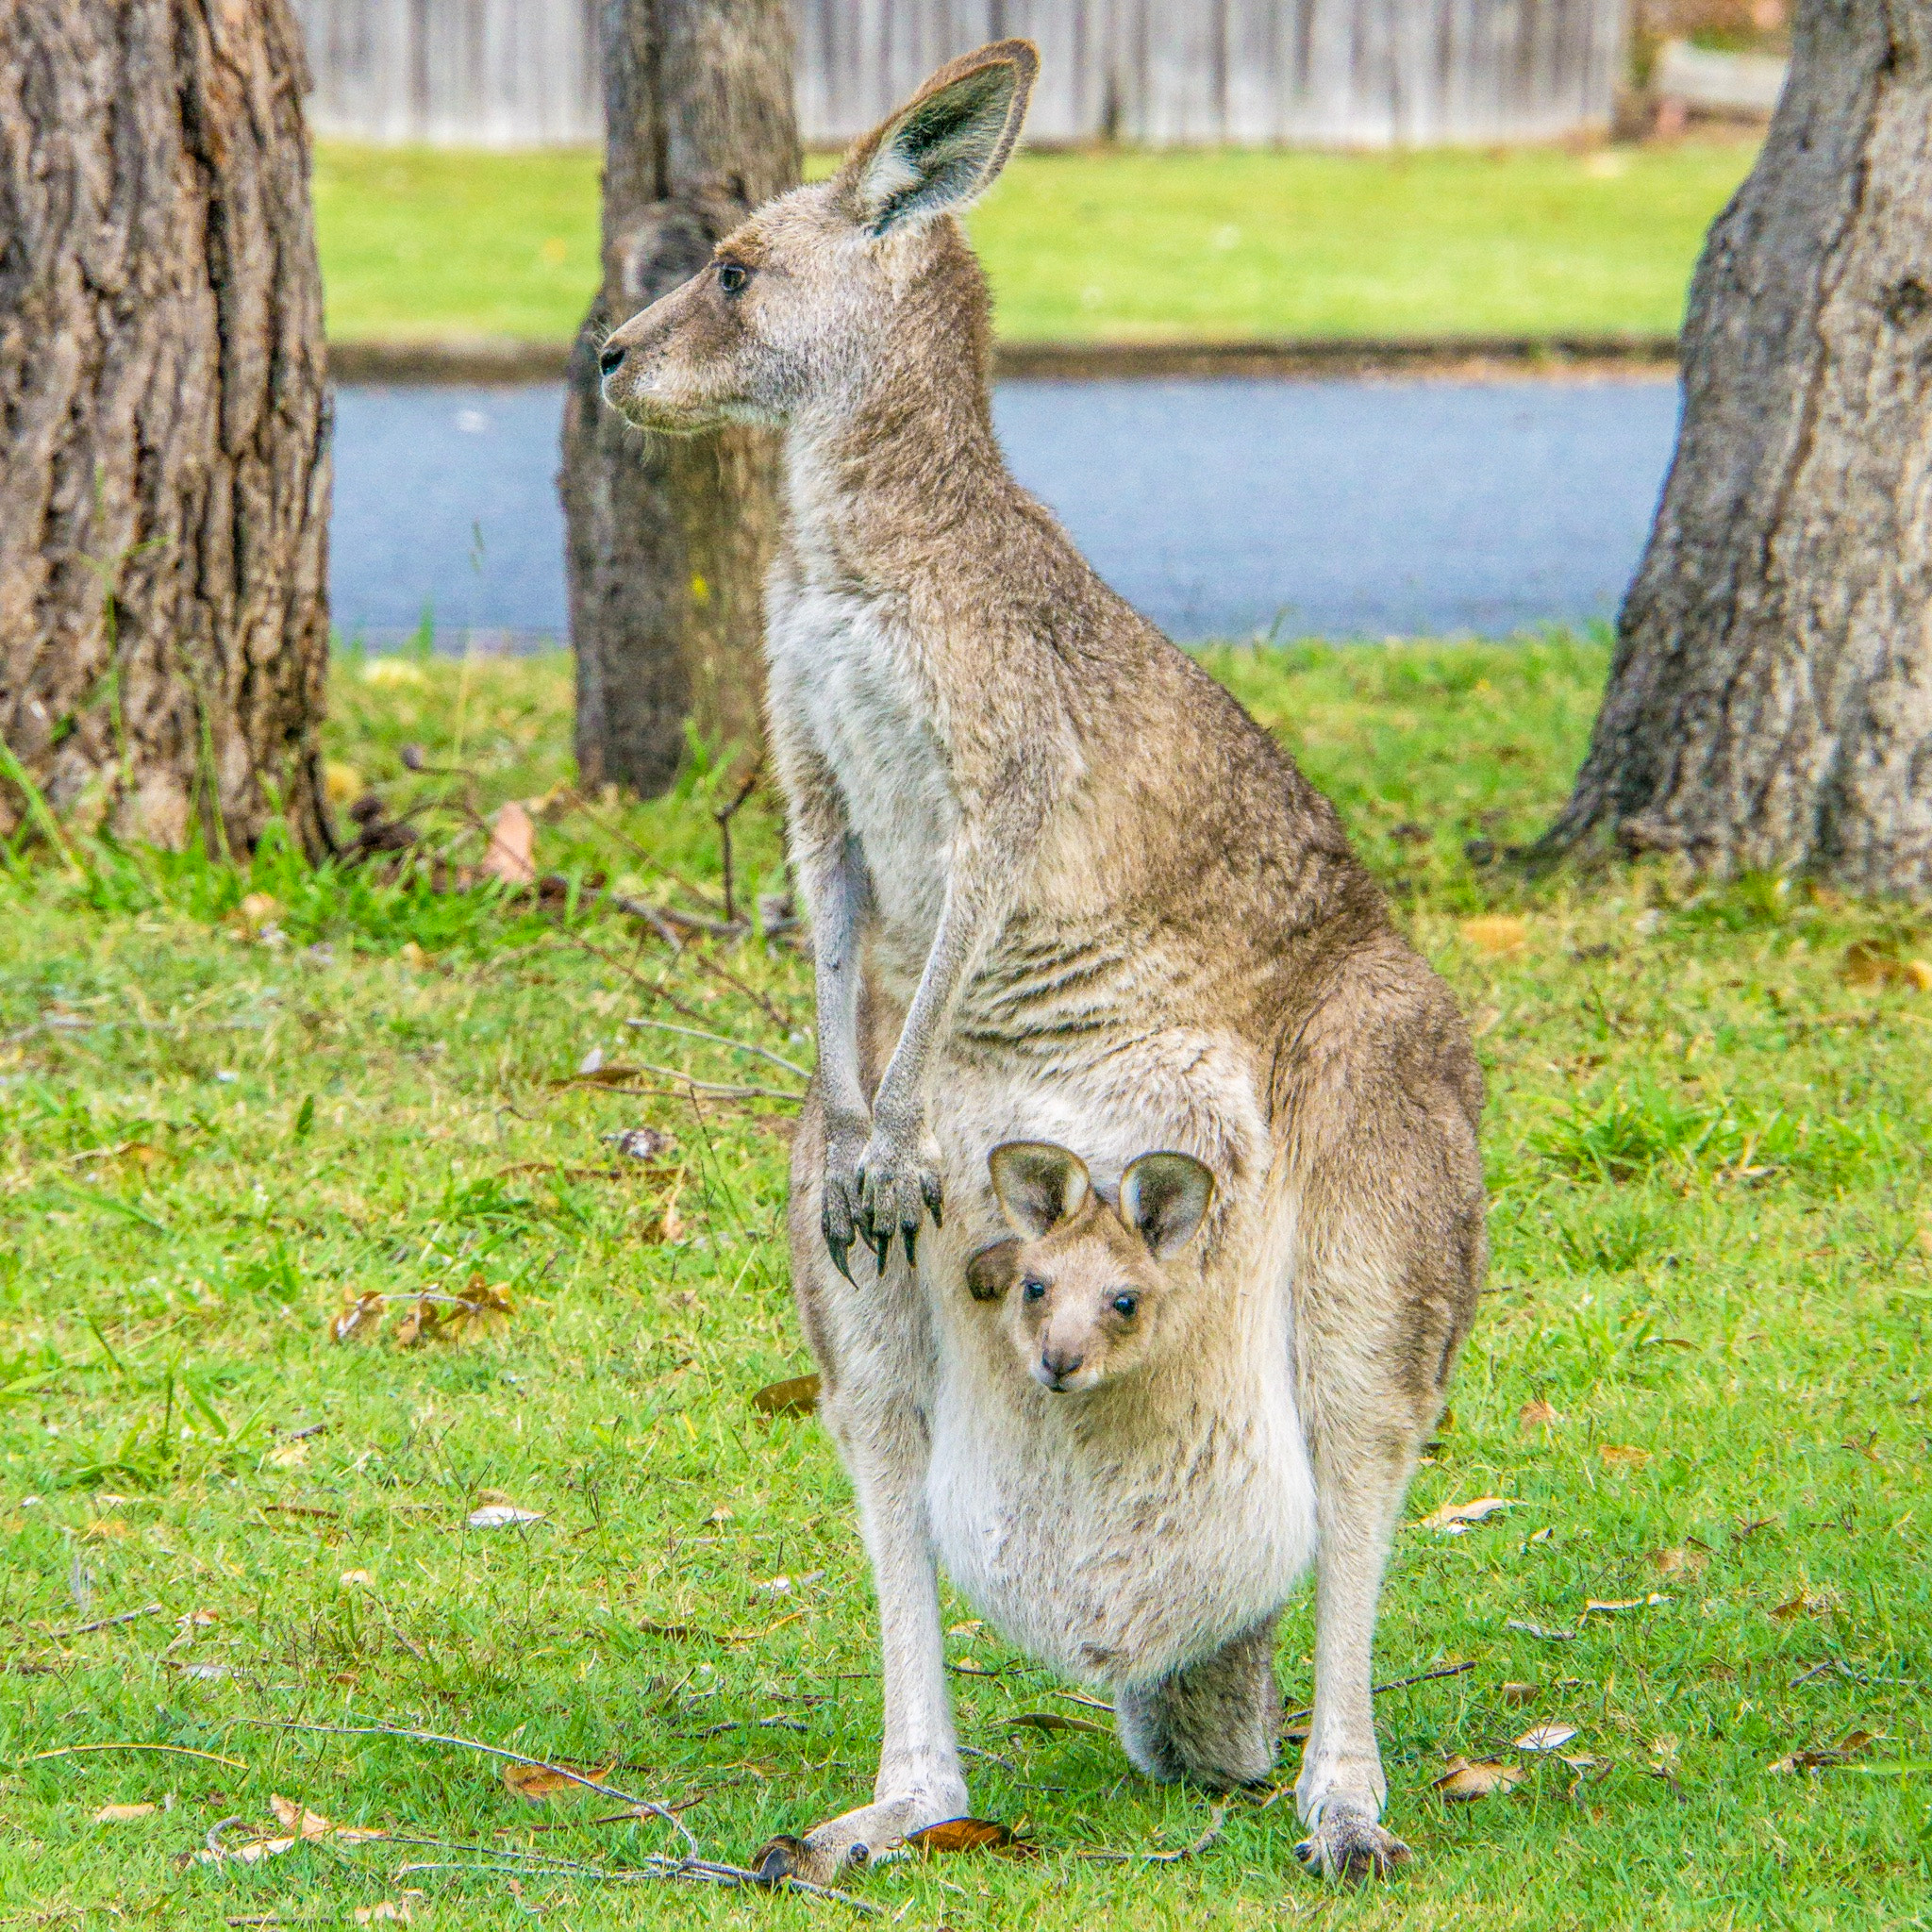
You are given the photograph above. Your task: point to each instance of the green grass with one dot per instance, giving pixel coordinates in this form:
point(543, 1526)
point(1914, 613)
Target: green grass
point(1706, 1144)
point(1103, 245)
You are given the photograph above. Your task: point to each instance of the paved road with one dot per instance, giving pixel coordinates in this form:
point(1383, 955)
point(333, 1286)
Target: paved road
point(1221, 509)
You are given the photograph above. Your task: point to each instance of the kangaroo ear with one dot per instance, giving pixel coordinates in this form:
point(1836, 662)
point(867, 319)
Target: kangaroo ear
point(1163, 1198)
point(1039, 1185)
point(942, 149)
point(990, 1271)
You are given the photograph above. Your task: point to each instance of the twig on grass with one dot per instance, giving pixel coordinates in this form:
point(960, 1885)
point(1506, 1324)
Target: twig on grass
point(764, 1053)
point(712, 1090)
point(575, 1777)
point(1216, 1819)
point(105, 1623)
point(170, 1750)
point(1289, 1717)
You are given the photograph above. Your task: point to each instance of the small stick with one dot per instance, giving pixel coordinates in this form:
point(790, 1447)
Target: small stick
point(709, 1088)
point(751, 992)
point(764, 1053)
point(723, 817)
point(107, 1623)
point(575, 1777)
point(172, 1750)
point(1395, 1684)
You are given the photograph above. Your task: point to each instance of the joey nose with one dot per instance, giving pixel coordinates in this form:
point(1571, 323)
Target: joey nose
point(1055, 1365)
point(612, 360)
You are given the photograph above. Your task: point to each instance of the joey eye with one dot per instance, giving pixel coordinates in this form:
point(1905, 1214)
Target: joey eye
point(732, 276)
point(1033, 1291)
point(1125, 1305)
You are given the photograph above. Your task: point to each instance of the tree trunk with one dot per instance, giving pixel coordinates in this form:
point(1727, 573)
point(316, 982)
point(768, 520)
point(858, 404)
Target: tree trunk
point(1769, 704)
point(668, 539)
point(164, 478)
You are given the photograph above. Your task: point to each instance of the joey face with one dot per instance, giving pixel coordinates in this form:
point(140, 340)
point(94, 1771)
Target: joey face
point(805, 301)
point(1090, 1289)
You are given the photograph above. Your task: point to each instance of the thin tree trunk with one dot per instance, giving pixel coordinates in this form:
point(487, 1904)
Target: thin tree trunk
point(668, 539)
point(1769, 704)
point(164, 478)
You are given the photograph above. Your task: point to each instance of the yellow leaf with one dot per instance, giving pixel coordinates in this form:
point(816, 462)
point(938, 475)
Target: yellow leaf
point(123, 1814)
point(343, 782)
point(1537, 1415)
point(360, 1311)
point(1680, 1562)
point(1622, 1455)
point(534, 1783)
point(298, 1818)
point(1461, 1781)
point(1495, 933)
point(1453, 1518)
point(356, 1579)
point(393, 672)
point(412, 955)
point(1919, 971)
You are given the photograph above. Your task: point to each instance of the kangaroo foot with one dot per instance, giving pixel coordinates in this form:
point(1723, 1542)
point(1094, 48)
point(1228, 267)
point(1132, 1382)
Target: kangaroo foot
point(1345, 1843)
point(835, 1849)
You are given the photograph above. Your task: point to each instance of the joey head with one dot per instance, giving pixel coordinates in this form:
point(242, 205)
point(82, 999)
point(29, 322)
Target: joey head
point(1088, 1284)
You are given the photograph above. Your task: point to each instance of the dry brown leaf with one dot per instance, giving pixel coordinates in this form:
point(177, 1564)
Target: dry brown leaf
point(797, 1396)
point(1846, 1748)
point(1546, 1737)
point(258, 910)
point(1521, 1693)
point(286, 1455)
point(1918, 974)
point(298, 1818)
point(1808, 1602)
point(123, 1814)
point(354, 1579)
point(1053, 1721)
point(385, 1911)
point(534, 1783)
point(511, 856)
point(500, 1516)
point(1680, 1562)
point(1462, 1781)
point(251, 1851)
point(359, 1312)
point(1606, 1606)
point(671, 1224)
point(1453, 1518)
point(970, 1835)
point(1622, 1455)
point(1495, 933)
point(1537, 1415)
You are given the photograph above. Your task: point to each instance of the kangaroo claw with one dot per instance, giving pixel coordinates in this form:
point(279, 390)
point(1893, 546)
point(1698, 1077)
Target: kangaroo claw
point(911, 1231)
point(929, 1192)
point(783, 1857)
point(839, 1249)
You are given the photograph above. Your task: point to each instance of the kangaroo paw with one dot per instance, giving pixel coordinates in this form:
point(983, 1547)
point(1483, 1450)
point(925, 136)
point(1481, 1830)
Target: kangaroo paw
point(1347, 1844)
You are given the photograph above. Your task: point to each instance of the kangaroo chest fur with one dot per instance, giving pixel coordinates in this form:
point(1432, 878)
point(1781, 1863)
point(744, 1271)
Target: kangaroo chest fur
point(1123, 1534)
point(843, 671)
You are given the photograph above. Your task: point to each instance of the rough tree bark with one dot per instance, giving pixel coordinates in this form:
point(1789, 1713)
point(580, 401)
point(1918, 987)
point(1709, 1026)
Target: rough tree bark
point(1770, 703)
point(668, 539)
point(164, 479)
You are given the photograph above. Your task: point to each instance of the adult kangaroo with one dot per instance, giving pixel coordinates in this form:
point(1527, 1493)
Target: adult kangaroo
point(1064, 892)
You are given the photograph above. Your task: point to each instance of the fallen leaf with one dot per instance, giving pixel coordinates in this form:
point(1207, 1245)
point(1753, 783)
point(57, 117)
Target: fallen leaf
point(259, 908)
point(1451, 1519)
point(1495, 933)
point(251, 1851)
point(512, 847)
point(123, 1814)
point(286, 1455)
point(298, 1818)
point(104, 1529)
point(720, 1514)
point(641, 1144)
point(1808, 1602)
point(677, 1633)
point(360, 1311)
point(343, 782)
point(500, 1516)
point(1847, 1747)
point(1529, 1629)
point(412, 955)
point(1521, 1693)
point(206, 1673)
point(969, 1835)
point(1053, 1721)
point(1868, 965)
point(1680, 1562)
point(393, 671)
point(534, 1783)
point(1919, 971)
point(798, 1396)
point(384, 1909)
point(1622, 1455)
point(1537, 1415)
point(1462, 1781)
point(353, 1579)
point(1546, 1737)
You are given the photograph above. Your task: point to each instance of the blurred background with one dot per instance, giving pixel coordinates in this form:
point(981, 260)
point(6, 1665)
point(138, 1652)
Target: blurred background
point(1341, 317)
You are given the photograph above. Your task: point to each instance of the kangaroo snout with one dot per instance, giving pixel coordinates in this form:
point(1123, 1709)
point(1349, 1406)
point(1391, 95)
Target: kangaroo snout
point(1056, 1368)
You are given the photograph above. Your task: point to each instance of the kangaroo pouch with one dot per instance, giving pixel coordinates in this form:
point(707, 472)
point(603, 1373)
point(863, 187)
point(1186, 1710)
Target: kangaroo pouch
point(1122, 1534)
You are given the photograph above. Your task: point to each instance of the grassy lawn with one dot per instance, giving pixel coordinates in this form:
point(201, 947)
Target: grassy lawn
point(1699, 1379)
point(1127, 245)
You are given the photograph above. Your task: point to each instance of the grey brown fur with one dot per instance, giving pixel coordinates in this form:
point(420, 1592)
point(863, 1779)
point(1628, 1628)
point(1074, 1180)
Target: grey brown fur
point(1064, 891)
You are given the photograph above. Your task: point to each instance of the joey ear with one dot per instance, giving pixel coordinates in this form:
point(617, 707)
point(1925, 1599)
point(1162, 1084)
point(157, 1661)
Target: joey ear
point(1163, 1198)
point(945, 146)
point(990, 1271)
point(1039, 1185)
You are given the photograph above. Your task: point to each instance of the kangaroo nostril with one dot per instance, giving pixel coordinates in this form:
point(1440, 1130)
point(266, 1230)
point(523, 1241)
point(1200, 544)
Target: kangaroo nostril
point(612, 360)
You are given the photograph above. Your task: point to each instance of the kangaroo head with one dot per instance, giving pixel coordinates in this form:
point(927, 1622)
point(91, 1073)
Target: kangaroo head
point(1086, 1285)
point(826, 288)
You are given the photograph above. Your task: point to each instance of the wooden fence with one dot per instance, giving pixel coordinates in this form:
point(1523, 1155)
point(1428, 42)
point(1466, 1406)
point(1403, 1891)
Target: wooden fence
point(1320, 73)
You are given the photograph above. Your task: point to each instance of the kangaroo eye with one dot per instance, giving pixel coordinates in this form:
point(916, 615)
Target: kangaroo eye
point(732, 276)
point(1124, 1306)
point(1033, 1291)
